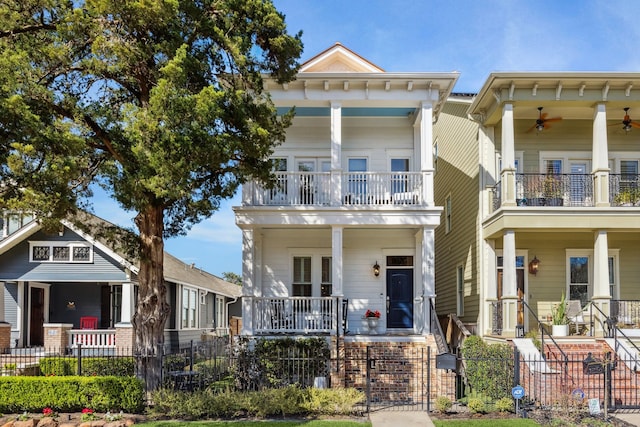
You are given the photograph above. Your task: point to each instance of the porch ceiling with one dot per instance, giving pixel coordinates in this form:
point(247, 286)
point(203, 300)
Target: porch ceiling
point(561, 219)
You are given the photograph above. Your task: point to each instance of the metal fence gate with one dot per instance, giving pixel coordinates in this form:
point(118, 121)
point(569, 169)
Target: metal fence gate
point(397, 378)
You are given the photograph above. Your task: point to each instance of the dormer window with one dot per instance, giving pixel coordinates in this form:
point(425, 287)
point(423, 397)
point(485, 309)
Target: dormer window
point(78, 252)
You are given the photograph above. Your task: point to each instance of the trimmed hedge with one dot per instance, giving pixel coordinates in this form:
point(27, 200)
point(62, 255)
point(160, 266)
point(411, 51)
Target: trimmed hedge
point(118, 366)
point(71, 394)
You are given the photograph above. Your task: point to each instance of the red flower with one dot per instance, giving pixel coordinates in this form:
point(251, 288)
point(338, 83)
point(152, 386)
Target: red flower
point(47, 411)
point(87, 411)
point(371, 313)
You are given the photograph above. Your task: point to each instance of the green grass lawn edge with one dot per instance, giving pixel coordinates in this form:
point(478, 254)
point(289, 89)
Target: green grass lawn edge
point(288, 423)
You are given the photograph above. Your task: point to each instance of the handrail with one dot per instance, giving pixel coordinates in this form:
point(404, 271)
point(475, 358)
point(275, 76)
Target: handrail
point(438, 328)
point(610, 321)
point(542, 332)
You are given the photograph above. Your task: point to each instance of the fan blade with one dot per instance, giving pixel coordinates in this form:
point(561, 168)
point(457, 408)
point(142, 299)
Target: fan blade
point(543, 116)
point(635, 125)
point(554, 119)
point(532, 128)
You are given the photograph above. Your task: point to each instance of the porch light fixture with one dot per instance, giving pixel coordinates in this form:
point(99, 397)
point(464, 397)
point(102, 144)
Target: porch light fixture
point(376, 269)
point(534, 265)
point(71, 305)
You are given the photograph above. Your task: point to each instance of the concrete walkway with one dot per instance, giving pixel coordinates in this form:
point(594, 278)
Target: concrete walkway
point(400, 418)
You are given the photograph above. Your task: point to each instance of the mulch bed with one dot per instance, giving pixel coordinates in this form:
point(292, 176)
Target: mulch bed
point(540, 416)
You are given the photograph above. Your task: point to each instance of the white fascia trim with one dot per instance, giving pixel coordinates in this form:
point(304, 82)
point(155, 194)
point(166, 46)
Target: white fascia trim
point(124, 262)
point(19, 236)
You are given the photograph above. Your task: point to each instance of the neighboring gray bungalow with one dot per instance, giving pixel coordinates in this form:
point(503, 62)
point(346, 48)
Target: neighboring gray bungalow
point(72, 280)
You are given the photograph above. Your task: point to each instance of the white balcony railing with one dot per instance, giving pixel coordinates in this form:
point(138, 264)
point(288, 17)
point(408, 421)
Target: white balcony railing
point(294, 315)
point(350, 188)
point(92, 338)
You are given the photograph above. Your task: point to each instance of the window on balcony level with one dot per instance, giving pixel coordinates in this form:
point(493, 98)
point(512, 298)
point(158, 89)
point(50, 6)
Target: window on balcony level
point(302, 285)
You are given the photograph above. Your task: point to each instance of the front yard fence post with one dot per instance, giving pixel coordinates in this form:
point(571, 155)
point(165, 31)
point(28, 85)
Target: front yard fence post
point(79, 371)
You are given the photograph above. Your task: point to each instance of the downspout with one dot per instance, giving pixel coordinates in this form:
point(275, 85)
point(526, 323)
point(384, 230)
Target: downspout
point(228, 304)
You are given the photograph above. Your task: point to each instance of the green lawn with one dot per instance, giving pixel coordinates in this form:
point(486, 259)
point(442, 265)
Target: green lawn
point(510, 422)
point(305, 423)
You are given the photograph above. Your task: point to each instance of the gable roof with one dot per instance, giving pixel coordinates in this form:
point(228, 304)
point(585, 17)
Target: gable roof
point(339, 58)
point(175, 270)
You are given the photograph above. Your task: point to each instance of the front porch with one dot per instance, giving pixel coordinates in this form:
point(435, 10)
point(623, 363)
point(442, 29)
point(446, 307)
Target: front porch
point(622, 316)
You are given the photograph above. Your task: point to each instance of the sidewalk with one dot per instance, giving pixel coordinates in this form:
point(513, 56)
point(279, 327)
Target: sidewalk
point(400, 418)
point(633, 418)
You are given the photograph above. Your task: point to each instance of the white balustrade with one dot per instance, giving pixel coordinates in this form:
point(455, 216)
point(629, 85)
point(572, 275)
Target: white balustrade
point(94, 338)
point(294, 315)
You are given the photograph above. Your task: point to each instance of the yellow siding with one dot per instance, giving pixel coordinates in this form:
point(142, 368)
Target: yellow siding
point(457, 174)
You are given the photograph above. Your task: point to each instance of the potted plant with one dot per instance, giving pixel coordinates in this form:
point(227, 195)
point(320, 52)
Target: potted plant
point(552, 189)
point(372, 317)
point(627, 197)
point(559, 319)
point(531, 191)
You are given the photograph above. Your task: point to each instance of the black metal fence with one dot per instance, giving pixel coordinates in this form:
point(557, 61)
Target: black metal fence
point(393, 377)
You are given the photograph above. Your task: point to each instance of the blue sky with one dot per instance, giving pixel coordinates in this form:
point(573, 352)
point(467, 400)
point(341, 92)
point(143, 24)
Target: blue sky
point(473, 37)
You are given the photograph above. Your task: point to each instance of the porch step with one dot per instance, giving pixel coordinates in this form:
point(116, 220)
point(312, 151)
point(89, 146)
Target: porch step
point(530, 353)
point(626, 352)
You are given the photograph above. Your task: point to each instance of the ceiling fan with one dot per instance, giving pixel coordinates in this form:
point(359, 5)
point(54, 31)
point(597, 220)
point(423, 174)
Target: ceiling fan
point(627, 123)
point(542, 122)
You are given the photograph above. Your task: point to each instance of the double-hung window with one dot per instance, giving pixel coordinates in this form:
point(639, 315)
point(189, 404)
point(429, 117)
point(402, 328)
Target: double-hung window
point(302, 285)
point(189, 308)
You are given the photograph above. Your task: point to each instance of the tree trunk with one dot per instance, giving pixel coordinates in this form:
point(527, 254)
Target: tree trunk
point(152, 308)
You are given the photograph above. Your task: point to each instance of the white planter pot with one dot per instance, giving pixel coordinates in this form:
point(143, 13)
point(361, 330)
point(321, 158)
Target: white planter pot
point(560, 330)
point(372, 323)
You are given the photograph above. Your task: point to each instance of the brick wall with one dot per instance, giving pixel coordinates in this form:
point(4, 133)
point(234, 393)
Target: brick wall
point(5, 336)
point(400, 371)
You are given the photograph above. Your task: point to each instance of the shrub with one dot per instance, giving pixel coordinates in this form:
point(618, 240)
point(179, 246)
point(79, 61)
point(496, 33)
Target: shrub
point(504, 404)
point(443, 404)
point(489, 368)
point(277, 362)
point(70, 393)
point(91, 366)
point(476, 406)
point(286, 401)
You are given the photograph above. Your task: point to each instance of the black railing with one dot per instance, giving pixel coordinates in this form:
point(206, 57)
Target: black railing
point(554, 190)
point(624, 190)
point(544, 332)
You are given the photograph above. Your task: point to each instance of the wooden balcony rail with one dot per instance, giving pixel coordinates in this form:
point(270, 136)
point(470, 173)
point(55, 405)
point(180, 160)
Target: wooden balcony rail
point(294, 315)
point(92, 338)
point(357, 188)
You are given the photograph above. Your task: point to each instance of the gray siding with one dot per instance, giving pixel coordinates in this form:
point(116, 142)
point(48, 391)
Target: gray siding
point(11, 304)
point(87, 298)
point(15, 265)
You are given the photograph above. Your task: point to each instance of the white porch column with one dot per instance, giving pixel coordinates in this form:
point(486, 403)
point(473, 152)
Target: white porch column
point(337, 262)
point(428, 276)
point(426, 151)
point(509, 285)
point(600, 154)
point(336, 153)
point(601, 291)
point(248, 288)
point(508, 173)
point(128, 306)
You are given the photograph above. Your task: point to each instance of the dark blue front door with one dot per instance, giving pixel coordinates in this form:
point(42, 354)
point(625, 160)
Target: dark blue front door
point(399, 298)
